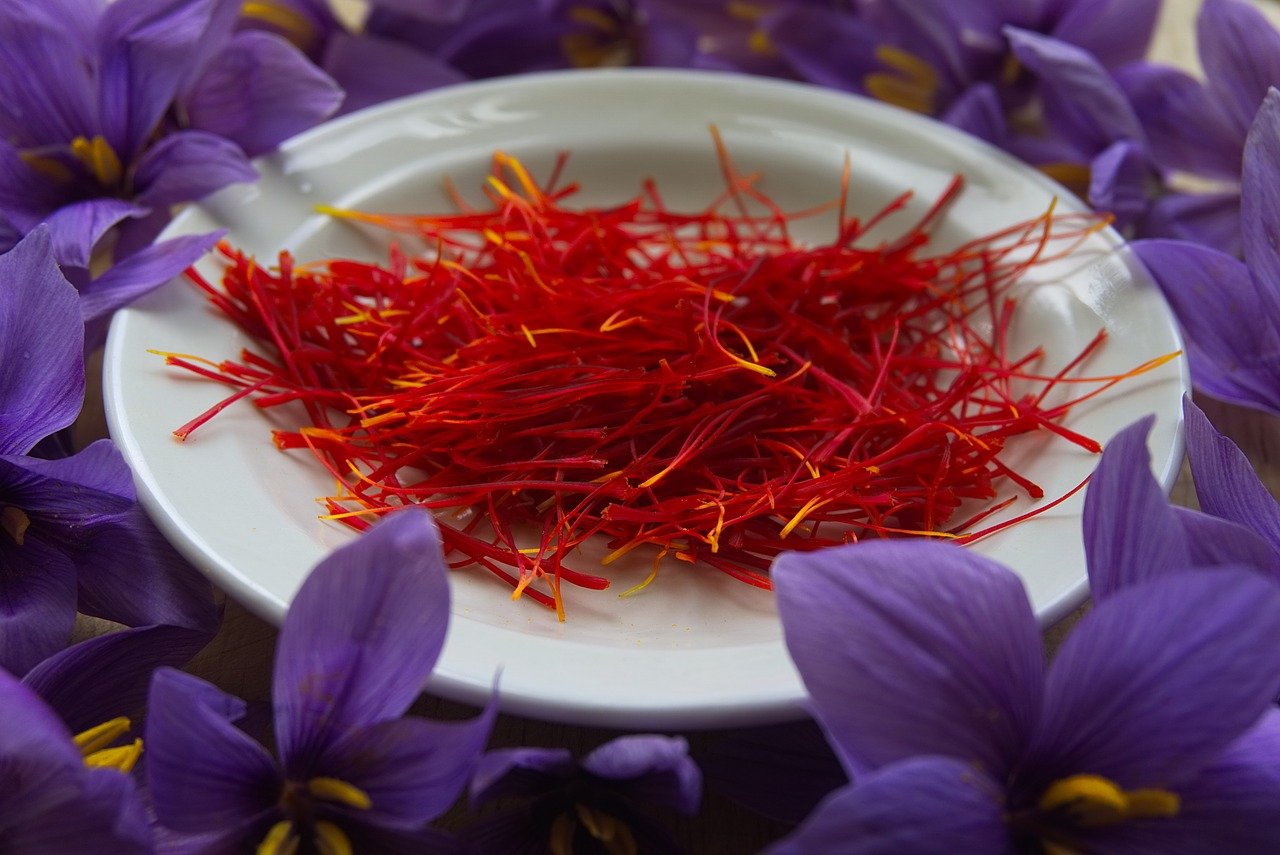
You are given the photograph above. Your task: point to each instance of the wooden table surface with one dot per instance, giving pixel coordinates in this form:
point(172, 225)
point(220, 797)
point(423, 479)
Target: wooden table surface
point(239, 659)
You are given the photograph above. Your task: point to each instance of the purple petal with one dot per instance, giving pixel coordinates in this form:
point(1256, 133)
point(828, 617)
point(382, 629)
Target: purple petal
point(141, 272)
point(654, 770)
point(150, 51)
point(434, 10)
point(919, 806)
point(1185, 125)
point(77, 227)
point(1217, 542)
point(46, 90)
point(978, 111)
point(1082, 102)
point(33, 730)
point(1240, 52)
point(98, 466)
point(825, 46)
point(913, 648)
point(203, 773)
point(1260, 205)
point(1226, 483)
point(1160, 678)
point(41, 361)
point(361, 637)
point(411, 768)
point(372, 70)
point(189, 165)
point(1118, 183)
point(388, 841)
point(1114, 31)
point(108, 676)
point(520, 773)
point(1233, 346)
point(1211, 219)
point(37, 602)
point(95, 812)
point(260, 91)
point(26, 196)
point(1130, 532)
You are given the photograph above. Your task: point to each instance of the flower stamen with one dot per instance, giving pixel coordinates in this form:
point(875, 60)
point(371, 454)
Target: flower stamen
point(282, 839)
point(340, 792)
point(99, 158)
point(1093, 801)
point(15, 522)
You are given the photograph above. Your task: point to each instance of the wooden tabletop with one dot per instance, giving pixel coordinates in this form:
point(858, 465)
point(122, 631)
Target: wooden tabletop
point(239, 659)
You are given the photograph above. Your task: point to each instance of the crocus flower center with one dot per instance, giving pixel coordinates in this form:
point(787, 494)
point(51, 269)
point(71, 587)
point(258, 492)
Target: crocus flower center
point(1086, 802)
point(602, 41)
point(99, 158)
point(910, 82)
point(298, 802)
point(97, 746)
point(15, 522)
point(608, 831)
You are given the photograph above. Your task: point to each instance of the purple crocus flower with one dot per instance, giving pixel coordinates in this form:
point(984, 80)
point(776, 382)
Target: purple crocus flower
point(1198, 127)
point(1153, 730)
point(112, 112)
point(1230, 310)
point(73, 535)
point(357, 645)
point(50, 800)
point(559, 804)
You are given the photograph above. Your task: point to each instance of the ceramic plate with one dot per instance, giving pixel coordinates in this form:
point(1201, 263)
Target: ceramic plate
point(695, 649)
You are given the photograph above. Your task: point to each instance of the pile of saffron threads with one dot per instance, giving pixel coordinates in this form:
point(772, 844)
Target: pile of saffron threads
point(699, 384)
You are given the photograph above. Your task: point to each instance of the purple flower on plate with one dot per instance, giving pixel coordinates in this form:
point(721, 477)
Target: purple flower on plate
point(1230, 310)
point(1153, 730)
point(71, 533)
point(51, 801)
point(1197, 127)
point(558, 804)
point(357, 645)
point(112, 112)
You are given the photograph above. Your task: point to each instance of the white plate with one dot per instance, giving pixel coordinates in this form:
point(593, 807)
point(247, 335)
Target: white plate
point(695, 649)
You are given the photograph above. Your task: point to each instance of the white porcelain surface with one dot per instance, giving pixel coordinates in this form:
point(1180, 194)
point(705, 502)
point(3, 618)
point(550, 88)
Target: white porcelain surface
point(695, 649)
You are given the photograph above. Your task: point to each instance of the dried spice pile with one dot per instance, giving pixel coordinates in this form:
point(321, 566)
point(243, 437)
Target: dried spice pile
point(701, 384)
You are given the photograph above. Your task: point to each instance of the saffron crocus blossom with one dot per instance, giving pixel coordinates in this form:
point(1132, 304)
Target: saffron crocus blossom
point(357, 645)
point(1198, 127)
point(73, 535)
point(112, 112)
point(1230, 310)
point(559, 804)
point(1152, 731)
point(50, 800)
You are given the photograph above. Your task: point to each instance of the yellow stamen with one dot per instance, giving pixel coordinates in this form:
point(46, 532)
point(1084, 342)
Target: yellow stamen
point(16, 522)
point(1094, 801)
point(760, 43)
point(294, 25)
point(98, 738)
point(910, 66)
point(99, 158)
point(331, 840)
point(339, 791)
point(560, 841)
point(892, 89)
point(47, 166)
point(123, 758)
point(609, 830)
point(746, 11)
point(912, 84)
point(280, 840)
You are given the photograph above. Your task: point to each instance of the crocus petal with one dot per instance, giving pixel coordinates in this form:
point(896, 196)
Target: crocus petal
point(390, 841)
point(825, 46)
point(918, 806)
point(1157, 680)
point(361, 637)
point(411, 768)
point(26, 196)
point(260, 91)
point(978, 111)
point(913, 648)
point(1217, 542)
point(1185, 125)
point(41, 357)
point(519, 773)
point(141, 272)
point(108, 676)
point(1233, 346)
point(1226, 483)
point(1240, 52)
point(654, 770)
point(1114, 31)
point(1260, 204)
point(1118, 182)
point(1130, 532)
point(32, 729)
point(46, 95)
point(150, 51)
point(1082, 102)
point(37, 602)
point(203, 773)
point(77, 227)
point(1212, 219)
point(372, 70)
point(189, 165)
